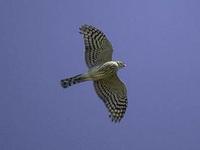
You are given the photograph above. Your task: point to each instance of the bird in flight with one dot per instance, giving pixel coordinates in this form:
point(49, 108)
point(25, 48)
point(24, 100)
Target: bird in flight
point(102, 71)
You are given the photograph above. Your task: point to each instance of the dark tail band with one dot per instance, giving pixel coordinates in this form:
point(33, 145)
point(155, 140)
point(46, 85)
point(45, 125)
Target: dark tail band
point(71, 81)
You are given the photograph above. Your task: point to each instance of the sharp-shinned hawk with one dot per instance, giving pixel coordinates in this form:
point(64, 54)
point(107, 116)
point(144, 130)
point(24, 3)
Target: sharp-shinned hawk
point(102, 71)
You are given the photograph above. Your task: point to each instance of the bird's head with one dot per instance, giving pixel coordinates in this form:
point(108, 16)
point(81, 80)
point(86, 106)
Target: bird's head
point(121, 64)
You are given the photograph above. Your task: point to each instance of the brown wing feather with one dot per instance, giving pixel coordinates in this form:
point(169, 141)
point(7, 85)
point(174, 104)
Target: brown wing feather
point(98, 49)
point(114, 95)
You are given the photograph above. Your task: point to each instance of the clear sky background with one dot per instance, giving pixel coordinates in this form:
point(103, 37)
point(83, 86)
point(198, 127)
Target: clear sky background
point(39, 44)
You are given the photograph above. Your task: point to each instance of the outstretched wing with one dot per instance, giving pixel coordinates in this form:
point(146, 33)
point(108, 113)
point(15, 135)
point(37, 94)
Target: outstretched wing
point(114, 95)
point(98, 49)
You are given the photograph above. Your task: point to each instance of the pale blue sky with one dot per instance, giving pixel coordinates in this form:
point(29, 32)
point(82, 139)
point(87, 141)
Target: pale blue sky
point(40, 44)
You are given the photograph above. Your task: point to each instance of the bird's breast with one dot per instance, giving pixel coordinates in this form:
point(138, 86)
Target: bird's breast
point(102, 71)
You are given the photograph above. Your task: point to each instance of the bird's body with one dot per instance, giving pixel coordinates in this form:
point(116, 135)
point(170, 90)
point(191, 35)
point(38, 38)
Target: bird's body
point(103, 71)
point(95, 73)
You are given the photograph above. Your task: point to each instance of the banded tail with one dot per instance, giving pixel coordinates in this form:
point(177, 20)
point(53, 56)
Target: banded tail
point(71, 81)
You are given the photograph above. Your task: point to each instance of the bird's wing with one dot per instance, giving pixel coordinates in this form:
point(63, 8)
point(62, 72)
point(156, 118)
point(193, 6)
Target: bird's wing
point(98, 49)
point(114, 95)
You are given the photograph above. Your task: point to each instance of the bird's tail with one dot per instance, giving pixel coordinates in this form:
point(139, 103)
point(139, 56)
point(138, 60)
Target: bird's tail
point(71, 81)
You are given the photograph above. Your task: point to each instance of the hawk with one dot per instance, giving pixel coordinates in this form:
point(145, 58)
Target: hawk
point(102, 71)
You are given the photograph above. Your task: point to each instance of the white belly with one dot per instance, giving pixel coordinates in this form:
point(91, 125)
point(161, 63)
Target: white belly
point(102, 71)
